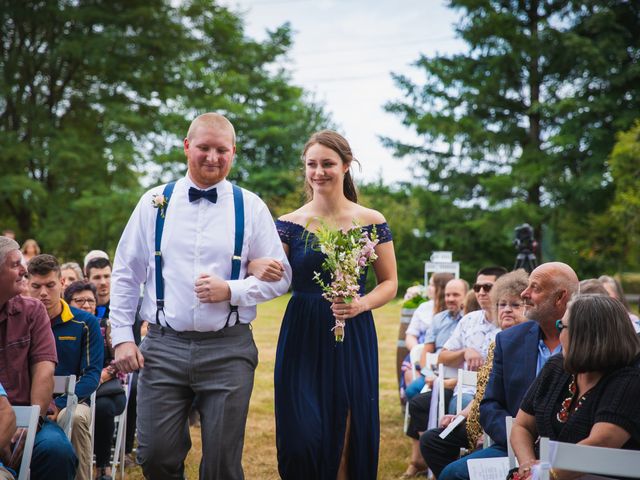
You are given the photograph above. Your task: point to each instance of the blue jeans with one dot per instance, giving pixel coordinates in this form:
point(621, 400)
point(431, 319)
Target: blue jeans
point(52, 452)
point(466, 399)
point(458, 469)
point(414, 387)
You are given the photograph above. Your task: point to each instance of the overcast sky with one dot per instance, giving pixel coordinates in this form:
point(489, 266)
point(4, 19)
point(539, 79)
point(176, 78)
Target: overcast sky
point(344, 51)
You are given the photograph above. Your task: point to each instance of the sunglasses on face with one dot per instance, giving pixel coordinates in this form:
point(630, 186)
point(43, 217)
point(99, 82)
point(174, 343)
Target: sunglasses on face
point(561, 326)
point(484, 286)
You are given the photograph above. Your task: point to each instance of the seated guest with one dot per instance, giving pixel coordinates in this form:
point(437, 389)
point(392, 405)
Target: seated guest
point(30, 249)
point(509, 310)
point(443, 324)
point(421, 321)
point(28, 363)
point(519, 355)
point(110, 397)
point(7, 429)
point(79, 346)
point(98, 271)
point(614, 289)
point(589, 394)
point(70, 272)
point(470, 303)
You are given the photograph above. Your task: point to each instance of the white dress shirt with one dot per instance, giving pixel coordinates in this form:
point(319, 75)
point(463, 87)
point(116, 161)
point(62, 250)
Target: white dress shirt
point(198, 238)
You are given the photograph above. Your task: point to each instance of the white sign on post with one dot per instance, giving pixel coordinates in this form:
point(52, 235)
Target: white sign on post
point(441, 262)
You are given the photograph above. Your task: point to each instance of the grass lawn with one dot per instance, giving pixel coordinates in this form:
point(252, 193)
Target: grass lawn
point(259, 459)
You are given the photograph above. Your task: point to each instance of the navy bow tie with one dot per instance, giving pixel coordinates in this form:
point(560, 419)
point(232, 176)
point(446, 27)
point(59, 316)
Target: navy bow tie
point(195, 194)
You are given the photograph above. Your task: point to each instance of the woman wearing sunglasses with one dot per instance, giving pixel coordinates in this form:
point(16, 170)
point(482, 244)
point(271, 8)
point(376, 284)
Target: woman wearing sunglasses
point(589, 394)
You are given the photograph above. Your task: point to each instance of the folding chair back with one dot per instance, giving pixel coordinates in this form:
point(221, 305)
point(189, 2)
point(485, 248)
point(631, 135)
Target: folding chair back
point(92, 430)
point(588, 459)
point(27, 417)
point(466, 378)
point(66, 384)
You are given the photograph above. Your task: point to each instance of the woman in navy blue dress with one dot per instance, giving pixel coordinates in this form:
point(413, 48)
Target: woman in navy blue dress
point(326, 392)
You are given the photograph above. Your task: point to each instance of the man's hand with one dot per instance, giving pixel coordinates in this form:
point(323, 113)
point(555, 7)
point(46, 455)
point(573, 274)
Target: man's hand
point(128, 357)
point(446, 420)
point(212, 289)
point(473, 358)
point(55, 411)
point(266, 269)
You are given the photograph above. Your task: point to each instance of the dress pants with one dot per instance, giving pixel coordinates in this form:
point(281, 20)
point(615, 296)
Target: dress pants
point(215, 368)
point(440, 452)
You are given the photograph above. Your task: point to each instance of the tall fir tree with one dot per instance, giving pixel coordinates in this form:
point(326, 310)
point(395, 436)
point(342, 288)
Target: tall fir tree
point(523, 121)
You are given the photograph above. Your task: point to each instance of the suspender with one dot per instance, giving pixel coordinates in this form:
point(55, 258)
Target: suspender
point(236, 260)
point(160, 216)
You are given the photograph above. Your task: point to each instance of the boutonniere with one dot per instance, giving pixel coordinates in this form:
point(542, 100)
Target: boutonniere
point(160, 201)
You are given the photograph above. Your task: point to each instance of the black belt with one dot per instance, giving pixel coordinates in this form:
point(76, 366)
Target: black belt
point(234, 331)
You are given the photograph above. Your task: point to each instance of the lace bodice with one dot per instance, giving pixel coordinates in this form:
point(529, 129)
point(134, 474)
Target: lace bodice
point(305, 259)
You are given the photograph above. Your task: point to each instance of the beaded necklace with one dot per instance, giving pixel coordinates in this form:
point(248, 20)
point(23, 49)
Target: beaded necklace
point(563, 414)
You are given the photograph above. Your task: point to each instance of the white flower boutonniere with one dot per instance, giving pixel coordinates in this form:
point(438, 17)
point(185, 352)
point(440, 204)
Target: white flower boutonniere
point(160, 201)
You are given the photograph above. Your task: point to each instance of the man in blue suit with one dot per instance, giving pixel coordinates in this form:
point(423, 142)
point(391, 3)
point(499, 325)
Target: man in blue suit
point(520, 354)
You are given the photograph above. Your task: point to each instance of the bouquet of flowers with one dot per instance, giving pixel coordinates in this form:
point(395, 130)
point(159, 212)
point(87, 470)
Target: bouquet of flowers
point(348, 253)
point(414, 296)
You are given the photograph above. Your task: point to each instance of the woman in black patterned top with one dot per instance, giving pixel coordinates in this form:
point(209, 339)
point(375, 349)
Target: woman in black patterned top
point(590, 395)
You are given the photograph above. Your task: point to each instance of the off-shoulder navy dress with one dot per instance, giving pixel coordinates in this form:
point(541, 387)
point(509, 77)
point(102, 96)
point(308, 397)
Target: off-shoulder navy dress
point(318, 382)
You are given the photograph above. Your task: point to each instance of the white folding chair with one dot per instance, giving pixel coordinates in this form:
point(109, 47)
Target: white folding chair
point(27, 417)
point(443, 372)
point(66, 384)
point(414, 357)
point(119, 451)
point(508, 423)
point(587, 459)
point(92, 429)
point(466, 378)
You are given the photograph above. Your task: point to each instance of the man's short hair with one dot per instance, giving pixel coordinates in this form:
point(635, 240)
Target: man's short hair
point(214, 120)
point(7, 245)
point(98, 262)
point(601, 337)
point(43, 264)
point(79, 286)
point(495, 271)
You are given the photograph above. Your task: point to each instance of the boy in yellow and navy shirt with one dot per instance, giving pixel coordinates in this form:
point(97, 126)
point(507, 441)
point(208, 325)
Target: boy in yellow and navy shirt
point(79, 345)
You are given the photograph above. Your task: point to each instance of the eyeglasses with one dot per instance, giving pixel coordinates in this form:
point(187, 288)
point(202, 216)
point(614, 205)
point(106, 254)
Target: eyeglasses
point(561, 326)
point(484, 286)
point(513, 305)
point(82, 301)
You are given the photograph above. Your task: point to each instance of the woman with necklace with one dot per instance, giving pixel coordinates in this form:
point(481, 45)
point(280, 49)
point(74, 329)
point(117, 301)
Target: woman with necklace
point(588, 394)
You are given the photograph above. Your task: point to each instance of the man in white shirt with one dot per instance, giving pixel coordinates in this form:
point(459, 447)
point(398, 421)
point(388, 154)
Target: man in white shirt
point(197, 348)
point(468, 345)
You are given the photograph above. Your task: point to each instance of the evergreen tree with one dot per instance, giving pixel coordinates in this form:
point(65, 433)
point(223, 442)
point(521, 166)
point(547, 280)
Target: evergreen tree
point(523, 121)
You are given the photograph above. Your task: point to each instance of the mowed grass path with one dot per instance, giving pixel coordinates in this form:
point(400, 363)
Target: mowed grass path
point(259, 459)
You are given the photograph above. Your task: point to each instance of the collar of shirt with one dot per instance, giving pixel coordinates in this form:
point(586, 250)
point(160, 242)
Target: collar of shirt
point(220, 186)
point(545, 354)
point(64, 316)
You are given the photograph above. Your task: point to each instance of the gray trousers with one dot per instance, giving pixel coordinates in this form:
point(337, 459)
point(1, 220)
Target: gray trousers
point(215, 372)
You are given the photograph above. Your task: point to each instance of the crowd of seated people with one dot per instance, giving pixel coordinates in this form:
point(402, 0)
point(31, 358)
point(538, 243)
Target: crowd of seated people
point(54, 321)
point(559, 355)
point(564, 362)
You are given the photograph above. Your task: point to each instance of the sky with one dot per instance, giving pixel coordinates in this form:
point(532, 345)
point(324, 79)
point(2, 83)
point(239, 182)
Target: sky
point(344, 52)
